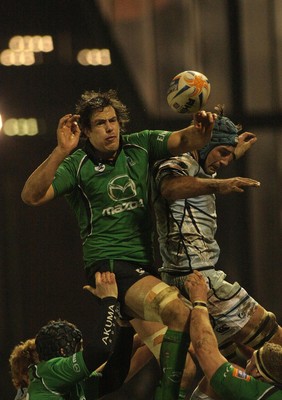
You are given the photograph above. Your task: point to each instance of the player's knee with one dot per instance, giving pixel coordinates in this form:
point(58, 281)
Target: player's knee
point(154, 342)
point(163, 304)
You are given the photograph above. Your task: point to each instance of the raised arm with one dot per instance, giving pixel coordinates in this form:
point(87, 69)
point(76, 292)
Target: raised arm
point(195, 136)
point(201, 333)
point(38, 187)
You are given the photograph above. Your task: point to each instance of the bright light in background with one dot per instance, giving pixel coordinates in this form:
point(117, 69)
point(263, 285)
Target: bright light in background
point(9, 57)
point(22, 48)
point(31, 43)
point(94, 57)
point(22, 51)
point(0, 122)
point(20, 127)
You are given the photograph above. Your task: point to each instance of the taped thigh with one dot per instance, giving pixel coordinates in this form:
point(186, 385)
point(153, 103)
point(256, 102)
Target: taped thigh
point(157, 299)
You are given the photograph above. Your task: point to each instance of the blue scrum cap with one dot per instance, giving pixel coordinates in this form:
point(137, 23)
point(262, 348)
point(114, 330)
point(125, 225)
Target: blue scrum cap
point(224, 133)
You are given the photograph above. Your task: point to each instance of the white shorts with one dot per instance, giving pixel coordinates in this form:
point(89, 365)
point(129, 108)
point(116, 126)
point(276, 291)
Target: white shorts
point(230, 306)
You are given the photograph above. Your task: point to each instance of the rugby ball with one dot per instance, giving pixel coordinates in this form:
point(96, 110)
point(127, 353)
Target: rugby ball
point(188, 92)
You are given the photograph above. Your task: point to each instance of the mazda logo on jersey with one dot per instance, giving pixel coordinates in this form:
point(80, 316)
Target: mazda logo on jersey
point(121, 188)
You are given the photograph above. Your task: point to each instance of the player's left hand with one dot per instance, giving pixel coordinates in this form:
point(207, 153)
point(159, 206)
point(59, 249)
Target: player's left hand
point(196, 287)
point(203, 124)
point(245, 142)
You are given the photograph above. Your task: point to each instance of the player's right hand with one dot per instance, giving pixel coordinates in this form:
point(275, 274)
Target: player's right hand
point(106, 285)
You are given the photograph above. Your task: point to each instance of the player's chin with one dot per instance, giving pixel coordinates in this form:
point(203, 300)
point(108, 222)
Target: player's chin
point(112, 148)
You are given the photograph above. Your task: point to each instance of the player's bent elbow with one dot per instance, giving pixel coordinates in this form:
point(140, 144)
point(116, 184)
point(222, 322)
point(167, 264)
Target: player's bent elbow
point(30, 200)
point(168, 192)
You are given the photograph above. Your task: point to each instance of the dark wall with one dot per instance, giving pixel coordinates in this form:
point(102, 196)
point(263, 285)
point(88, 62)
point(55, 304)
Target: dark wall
point(41, 272)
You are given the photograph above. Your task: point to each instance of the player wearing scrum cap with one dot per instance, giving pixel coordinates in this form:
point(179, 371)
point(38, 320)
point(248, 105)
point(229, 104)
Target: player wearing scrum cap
point(184, 199)
point(64, 363)
point(262, 378)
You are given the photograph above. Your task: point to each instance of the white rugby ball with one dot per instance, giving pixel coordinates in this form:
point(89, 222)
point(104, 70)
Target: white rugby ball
point(188, 92)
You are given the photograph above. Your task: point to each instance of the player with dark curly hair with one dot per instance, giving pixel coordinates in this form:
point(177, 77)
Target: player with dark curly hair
point(107, 185)
point(65, 364)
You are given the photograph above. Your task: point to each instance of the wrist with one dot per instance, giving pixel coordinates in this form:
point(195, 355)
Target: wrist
point(60, 153)
point(200, 304)
point(108, 297)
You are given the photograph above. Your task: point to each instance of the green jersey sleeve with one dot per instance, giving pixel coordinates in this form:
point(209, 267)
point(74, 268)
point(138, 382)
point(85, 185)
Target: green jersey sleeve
point(154, 141)
point(63, 372)
point(65, 179)
point(234, 384)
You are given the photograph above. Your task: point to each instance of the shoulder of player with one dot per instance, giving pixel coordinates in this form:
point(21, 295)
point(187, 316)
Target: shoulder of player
point(182, 162)
point(144, 135)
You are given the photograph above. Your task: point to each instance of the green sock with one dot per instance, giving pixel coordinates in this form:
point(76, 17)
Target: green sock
point(172, 361)
point(182, 394)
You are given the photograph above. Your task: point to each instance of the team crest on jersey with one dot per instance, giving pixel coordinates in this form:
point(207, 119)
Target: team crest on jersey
point(121, 188)
point(100, 167)
point(237, 373)
point(140, 271)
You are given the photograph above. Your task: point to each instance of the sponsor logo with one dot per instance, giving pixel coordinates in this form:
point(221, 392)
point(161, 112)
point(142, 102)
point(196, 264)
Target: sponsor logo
point(161, 136)
point(130, 205)
point(108, 329)
point(237, 373)
point(75, 366)
point(121, 188)
point(140, 271)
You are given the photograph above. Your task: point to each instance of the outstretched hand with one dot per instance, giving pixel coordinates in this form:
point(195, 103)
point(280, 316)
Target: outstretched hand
point(106, 285)
point(237, 184)
point(68, 133)
point(196, 287)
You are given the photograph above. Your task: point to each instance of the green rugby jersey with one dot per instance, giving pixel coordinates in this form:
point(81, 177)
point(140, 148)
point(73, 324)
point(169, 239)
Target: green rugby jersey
point(233, 384)
point(60, 378)
point(111, 200)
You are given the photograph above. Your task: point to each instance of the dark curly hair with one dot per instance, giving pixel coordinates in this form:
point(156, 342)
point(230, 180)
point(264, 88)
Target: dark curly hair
point(91, 101)
point(58, 339)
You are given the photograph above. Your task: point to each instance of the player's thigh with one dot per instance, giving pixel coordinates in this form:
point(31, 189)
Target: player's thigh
point(153, 300)
point(261, 327)
point(136, 294)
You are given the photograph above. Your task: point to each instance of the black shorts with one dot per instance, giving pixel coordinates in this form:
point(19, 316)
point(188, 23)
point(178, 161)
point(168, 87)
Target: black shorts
point(126, 272)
